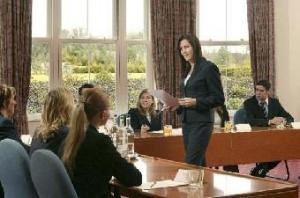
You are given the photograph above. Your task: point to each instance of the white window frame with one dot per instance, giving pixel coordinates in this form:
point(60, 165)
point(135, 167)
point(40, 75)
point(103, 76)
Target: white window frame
point(224, 43)
point(55, 46)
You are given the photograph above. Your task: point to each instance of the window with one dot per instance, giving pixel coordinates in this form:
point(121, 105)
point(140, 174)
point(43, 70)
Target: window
point(104, 42)
point(40, 55)
point(223, 33)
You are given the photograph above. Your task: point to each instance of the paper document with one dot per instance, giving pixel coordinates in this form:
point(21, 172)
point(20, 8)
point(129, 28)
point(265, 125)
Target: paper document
point(243, 127)
point(295, 125)
point(161, 184)
point(165, 98)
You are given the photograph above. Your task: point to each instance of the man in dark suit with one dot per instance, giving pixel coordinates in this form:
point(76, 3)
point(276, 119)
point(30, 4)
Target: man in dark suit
point(263, 110)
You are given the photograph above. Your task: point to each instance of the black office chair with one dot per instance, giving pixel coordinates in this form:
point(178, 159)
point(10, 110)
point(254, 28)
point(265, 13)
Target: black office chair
point(240, 117)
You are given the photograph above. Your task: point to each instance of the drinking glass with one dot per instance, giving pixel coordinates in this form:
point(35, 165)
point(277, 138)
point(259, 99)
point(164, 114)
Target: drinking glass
point(167, 130)
point(228, 126)
point(197, 178)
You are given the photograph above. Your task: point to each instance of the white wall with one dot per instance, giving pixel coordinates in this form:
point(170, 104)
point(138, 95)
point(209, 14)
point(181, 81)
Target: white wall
point(287, 54)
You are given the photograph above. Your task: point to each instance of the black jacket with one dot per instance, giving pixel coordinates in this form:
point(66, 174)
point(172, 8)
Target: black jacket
point(204, 85)
point(52, 143)
point(137, 120)
point(255, 114)
point(96, 162)
point(8, 130)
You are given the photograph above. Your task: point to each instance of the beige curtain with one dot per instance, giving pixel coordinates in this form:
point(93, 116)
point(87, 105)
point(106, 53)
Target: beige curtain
point(261, 40)
point(15, 53)
point(169, 20)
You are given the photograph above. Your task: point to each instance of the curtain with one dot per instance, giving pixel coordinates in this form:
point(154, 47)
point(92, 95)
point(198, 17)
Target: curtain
point(15, 53)
point(169, 20)
point(261, 40)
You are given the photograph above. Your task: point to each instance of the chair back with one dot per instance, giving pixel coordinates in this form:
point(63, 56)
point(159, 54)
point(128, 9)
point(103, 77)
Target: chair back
point(49, 176)
point(240, 117)
point(14, 170)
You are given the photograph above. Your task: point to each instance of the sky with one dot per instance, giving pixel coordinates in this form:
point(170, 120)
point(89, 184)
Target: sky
point(88, 14)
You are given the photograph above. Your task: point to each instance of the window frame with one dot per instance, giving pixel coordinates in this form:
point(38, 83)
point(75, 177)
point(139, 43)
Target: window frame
point(222, 43)
point(119, 39)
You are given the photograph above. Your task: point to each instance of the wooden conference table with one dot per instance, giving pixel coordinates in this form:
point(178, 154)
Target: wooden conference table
point(259, 145)
point(216, 183)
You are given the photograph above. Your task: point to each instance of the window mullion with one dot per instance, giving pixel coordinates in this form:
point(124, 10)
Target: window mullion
point(55, 70)
point(122, 82)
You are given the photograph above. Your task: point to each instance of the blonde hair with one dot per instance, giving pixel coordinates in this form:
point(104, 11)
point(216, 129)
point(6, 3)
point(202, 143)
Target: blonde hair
point(6, 92)
point(93, 101)
point(58, 106)
point(151, 108)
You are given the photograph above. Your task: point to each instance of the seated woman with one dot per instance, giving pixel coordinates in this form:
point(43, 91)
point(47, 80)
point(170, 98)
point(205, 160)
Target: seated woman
point(145, 117)
point(89, 156)
point(7, 110)
point(56, 115)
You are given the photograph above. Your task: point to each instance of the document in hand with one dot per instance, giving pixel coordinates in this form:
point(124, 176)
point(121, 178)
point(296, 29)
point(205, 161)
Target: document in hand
point(165, 98)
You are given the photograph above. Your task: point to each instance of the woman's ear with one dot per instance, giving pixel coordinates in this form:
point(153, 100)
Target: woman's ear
point(104, 116)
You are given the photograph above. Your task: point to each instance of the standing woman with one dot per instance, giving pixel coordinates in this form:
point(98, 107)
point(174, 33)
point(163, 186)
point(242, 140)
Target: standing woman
point(56, 116)
point(145, 117)
point(89, 156)
point(201, 90)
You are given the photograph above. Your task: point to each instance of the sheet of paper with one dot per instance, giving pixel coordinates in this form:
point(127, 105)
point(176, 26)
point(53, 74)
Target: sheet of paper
point(243, 127)
point(165, 98)
point(161, 184)
point(158, 132)
point(295, 125)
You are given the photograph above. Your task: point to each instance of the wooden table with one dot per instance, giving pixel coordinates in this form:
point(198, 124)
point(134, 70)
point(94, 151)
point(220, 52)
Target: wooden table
point(216, 183)
point(259, 145)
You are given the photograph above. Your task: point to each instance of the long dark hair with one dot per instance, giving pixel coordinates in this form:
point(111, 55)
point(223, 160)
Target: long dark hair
point(195, 43)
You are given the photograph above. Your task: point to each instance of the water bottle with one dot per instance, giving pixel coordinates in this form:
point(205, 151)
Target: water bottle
point(114, 130)
point(122, 139)
point(130, 134)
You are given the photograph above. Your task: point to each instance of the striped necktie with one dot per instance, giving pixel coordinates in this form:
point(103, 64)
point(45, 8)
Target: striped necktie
point(264, 107)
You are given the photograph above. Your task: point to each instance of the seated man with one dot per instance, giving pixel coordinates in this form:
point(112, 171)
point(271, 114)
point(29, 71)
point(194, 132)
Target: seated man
point(263, 110)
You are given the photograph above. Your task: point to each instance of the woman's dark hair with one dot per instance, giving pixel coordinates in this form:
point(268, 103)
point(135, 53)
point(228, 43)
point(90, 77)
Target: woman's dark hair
point(195, 43)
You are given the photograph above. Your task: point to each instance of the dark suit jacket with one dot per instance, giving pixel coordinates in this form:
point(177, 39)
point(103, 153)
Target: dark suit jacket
point(8, 130)
point(52, 143)
point(137, 120)
point(255, 114)
point(204, 85)
point(96, 162)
